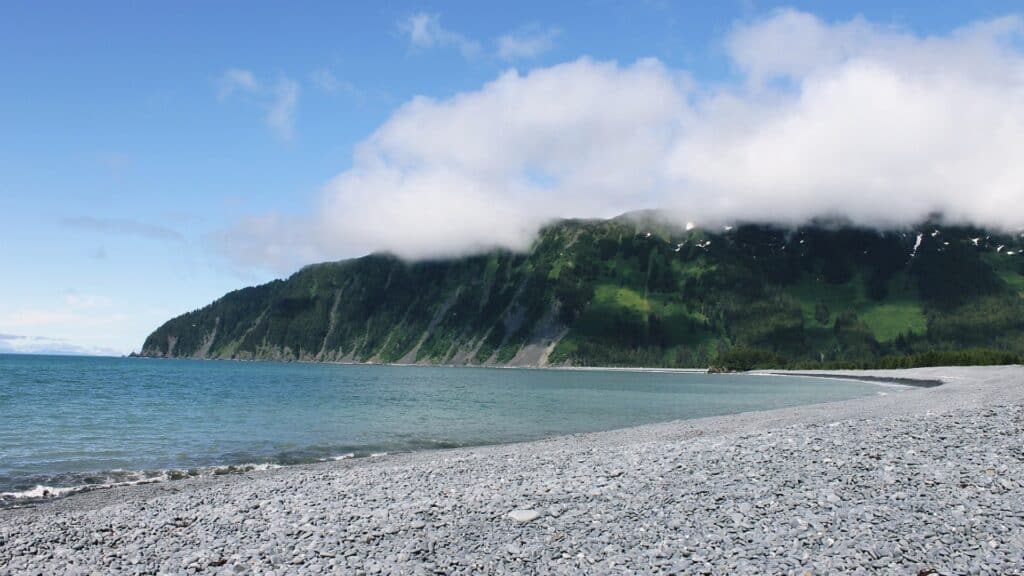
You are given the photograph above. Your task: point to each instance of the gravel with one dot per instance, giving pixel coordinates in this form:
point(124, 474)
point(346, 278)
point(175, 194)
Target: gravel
point(912, 481)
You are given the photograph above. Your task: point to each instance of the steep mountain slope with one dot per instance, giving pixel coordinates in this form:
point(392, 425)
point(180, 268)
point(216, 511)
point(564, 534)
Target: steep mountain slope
point(636, 291)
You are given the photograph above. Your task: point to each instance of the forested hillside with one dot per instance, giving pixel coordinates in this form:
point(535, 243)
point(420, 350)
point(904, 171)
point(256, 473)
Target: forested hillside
point(634, 291)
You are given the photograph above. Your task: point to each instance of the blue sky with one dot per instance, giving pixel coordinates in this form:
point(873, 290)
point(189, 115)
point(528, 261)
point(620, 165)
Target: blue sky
point(135, 137)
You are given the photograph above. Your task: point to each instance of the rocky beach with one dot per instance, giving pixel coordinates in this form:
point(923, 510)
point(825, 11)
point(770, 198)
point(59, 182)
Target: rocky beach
point(916, 480)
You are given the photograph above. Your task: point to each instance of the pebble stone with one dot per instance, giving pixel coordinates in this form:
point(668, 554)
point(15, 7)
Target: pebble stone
point(524, 516)
point(909, 481)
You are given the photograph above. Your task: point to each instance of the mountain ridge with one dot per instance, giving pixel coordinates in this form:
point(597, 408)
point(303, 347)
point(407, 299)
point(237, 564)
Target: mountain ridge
point(637, 291)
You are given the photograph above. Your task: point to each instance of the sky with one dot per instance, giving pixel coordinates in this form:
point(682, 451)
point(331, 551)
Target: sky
point(155, 156)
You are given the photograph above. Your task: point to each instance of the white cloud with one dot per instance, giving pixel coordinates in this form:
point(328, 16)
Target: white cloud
point(18, 344)
point(528, 42)
point(122, 226)
point(281, 101)
point(75, 309)
point(323, 79)
point(425, 31)
point(76, 323)
point(487, 168)
point(82, 316)
point(878, 125)
point(236, 79)
point(281, 117)
point(270, 241)
point(86, 301)
point(852, 118)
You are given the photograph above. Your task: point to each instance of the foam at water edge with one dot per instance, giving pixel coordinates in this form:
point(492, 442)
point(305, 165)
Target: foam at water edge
point(40, 491)
point(44, 492)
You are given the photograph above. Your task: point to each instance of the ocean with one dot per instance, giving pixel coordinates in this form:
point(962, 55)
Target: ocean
point(77, 423)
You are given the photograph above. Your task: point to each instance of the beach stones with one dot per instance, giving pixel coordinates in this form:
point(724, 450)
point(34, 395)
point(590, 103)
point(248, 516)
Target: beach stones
point(865, 487)
point(524, 516)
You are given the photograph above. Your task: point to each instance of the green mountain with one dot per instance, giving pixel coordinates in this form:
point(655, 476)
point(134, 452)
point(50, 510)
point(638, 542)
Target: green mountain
point(635, 291)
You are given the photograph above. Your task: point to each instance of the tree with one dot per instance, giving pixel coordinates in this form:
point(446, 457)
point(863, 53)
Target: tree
point(822, 314)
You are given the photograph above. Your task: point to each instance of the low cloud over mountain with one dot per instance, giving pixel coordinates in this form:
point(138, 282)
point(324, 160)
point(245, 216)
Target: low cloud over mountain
point(856, 119)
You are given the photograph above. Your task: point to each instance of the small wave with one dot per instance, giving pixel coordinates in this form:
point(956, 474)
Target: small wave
point(42, 488)
point(38, 492)
point(116, 478)
point(44, 492)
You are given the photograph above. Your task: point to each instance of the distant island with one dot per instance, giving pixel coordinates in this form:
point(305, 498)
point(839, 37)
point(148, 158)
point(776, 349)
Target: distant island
point(639, 291)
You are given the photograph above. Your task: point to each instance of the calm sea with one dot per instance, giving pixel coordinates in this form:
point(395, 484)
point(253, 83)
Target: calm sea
point(71, 423)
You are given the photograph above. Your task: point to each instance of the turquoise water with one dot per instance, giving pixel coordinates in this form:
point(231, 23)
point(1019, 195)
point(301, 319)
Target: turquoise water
point(73, 422)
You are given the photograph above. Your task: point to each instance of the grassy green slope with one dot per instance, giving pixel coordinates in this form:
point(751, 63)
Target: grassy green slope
point(636, 291)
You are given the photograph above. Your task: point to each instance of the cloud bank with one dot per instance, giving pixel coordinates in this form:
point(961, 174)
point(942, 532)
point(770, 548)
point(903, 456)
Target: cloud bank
point(855, 119)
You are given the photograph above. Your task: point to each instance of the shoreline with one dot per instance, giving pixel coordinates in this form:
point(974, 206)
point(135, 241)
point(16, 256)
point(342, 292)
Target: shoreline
point(448, 509)
point(41, 495)
point(423, 365)
point(844, 374)
point(906, 383)
point(839, 374)
point(880, 380)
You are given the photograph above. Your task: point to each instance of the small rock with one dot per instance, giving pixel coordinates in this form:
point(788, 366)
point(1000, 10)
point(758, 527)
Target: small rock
point(524, 516)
